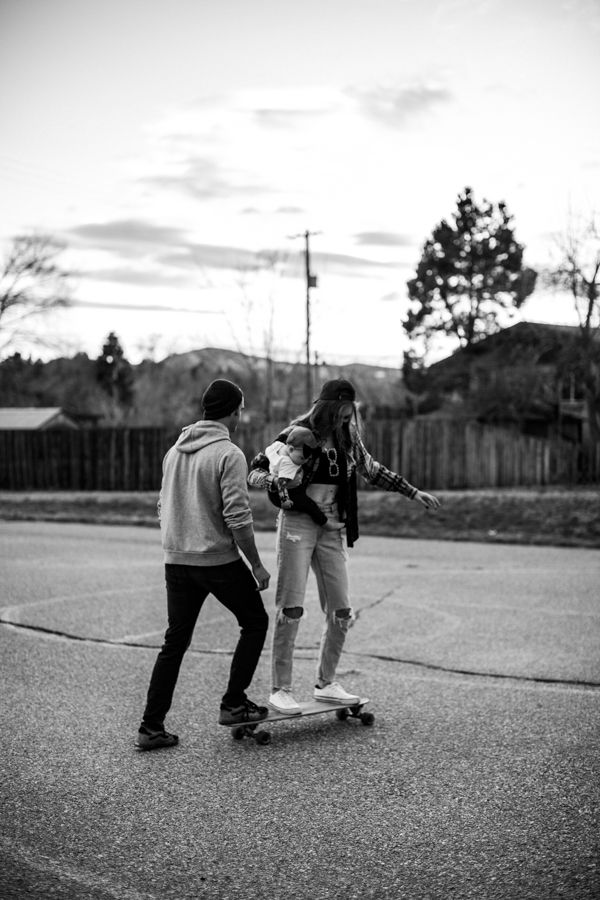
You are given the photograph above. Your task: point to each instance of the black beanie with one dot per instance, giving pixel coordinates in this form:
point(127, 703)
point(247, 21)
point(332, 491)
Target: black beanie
point(221, 398)
point(338, 389)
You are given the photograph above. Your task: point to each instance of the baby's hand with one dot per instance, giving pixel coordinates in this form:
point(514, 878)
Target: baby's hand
point(333, 526)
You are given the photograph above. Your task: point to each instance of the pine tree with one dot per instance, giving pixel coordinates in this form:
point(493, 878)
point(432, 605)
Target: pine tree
point(469, 276)
point(115, 375)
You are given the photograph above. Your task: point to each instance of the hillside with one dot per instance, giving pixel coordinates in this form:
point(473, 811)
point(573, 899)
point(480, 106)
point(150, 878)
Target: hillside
point(168, 392)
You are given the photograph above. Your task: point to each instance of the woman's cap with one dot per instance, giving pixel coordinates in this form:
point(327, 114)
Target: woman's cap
point(338, 389)
point(221, 398)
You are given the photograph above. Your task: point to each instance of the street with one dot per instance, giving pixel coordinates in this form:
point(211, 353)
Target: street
point(478, 779)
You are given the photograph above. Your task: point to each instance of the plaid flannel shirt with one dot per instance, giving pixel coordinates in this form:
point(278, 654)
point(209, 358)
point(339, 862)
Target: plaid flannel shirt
point(376, 473)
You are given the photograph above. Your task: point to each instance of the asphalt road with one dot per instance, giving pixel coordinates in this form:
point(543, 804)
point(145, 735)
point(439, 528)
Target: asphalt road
point(479, 778)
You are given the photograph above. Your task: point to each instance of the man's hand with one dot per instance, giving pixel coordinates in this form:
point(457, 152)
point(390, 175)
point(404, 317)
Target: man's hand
point(244, 538)
point(262, 576)
point(428, 500)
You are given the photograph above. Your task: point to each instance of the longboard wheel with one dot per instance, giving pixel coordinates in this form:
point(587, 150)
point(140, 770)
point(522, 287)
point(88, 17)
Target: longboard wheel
point(367, 718)
point(341, 714)
point(237, 733)
point(263, 737)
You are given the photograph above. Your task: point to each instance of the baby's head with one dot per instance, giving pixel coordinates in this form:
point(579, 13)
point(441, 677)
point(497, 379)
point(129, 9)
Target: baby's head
point(300, 444)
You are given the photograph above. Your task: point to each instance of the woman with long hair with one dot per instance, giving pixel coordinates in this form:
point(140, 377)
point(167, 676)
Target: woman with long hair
point(329, 479)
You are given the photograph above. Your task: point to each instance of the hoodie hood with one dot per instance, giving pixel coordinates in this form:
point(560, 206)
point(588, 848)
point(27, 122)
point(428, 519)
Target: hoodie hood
point(201, 434)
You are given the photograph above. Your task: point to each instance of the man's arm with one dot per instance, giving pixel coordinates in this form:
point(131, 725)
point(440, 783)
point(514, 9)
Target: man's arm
point(237, 513)
point(244, 538)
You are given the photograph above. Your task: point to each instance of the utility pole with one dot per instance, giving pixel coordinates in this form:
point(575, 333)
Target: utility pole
point(311, 282)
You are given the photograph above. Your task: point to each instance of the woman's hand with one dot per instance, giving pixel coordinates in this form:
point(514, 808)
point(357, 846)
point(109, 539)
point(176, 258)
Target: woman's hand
point(333, 526)
point(428, 500)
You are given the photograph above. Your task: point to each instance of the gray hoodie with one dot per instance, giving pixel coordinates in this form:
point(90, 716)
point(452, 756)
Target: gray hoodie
point(203, 496)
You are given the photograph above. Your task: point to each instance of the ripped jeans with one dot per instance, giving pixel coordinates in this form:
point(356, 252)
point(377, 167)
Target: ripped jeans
point(301, 544)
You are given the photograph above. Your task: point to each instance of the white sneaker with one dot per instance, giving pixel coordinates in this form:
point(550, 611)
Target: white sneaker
point(335, 692)
point(283, 702)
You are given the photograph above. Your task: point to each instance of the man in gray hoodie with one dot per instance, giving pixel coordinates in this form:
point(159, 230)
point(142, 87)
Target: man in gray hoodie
point(205, 520)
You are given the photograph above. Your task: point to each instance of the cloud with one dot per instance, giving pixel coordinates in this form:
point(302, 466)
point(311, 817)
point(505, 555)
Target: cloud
point(239, 145)
point(165, 248)
point(286, 108)
point(396, 105)
point(204, 180)
point(213, 257)
point(280, 211)
point(383, 239)
point(239, 259)
point(121, 233)
point(145, 278)
point(285, 118)
point(342, 264)
point(91, 304)
point(204, 157)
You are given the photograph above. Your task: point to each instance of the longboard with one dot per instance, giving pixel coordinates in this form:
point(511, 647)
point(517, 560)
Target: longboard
point(255, 731)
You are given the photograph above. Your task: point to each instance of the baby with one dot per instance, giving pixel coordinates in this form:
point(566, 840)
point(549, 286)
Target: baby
point(285, 463)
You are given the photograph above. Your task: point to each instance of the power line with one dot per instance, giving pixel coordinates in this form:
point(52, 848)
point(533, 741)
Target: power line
point(21, 169)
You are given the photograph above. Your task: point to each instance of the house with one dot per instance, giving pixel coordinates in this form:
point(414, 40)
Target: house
point(515, 378)
point(34, 418)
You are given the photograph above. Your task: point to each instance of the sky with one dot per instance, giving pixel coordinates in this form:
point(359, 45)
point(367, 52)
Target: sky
point(181, 150)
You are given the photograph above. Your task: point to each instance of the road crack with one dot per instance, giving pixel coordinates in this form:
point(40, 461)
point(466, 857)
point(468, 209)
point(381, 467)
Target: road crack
point(450, 670)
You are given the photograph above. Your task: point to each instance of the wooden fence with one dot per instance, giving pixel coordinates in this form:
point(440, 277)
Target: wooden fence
point(435, 455)
point(445, 455)
point(93, 459)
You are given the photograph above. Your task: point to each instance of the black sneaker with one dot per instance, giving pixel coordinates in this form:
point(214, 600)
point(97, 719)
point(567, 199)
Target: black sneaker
point(247, 712)
point(153, 740)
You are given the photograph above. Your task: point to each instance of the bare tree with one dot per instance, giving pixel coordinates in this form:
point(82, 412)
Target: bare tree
point(577, 270)
point(268, 265)
point(32, 284)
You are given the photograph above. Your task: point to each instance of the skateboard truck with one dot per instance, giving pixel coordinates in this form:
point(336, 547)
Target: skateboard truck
point(239, 732)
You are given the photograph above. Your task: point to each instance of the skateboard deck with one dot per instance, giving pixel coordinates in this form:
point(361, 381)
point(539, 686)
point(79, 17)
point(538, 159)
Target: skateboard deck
point(255, 730)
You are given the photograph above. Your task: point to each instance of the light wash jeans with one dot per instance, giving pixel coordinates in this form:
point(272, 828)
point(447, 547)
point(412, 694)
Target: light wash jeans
point(301, 544)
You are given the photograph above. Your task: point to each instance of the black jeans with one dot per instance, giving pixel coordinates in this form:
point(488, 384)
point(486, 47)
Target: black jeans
point(187, 588)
